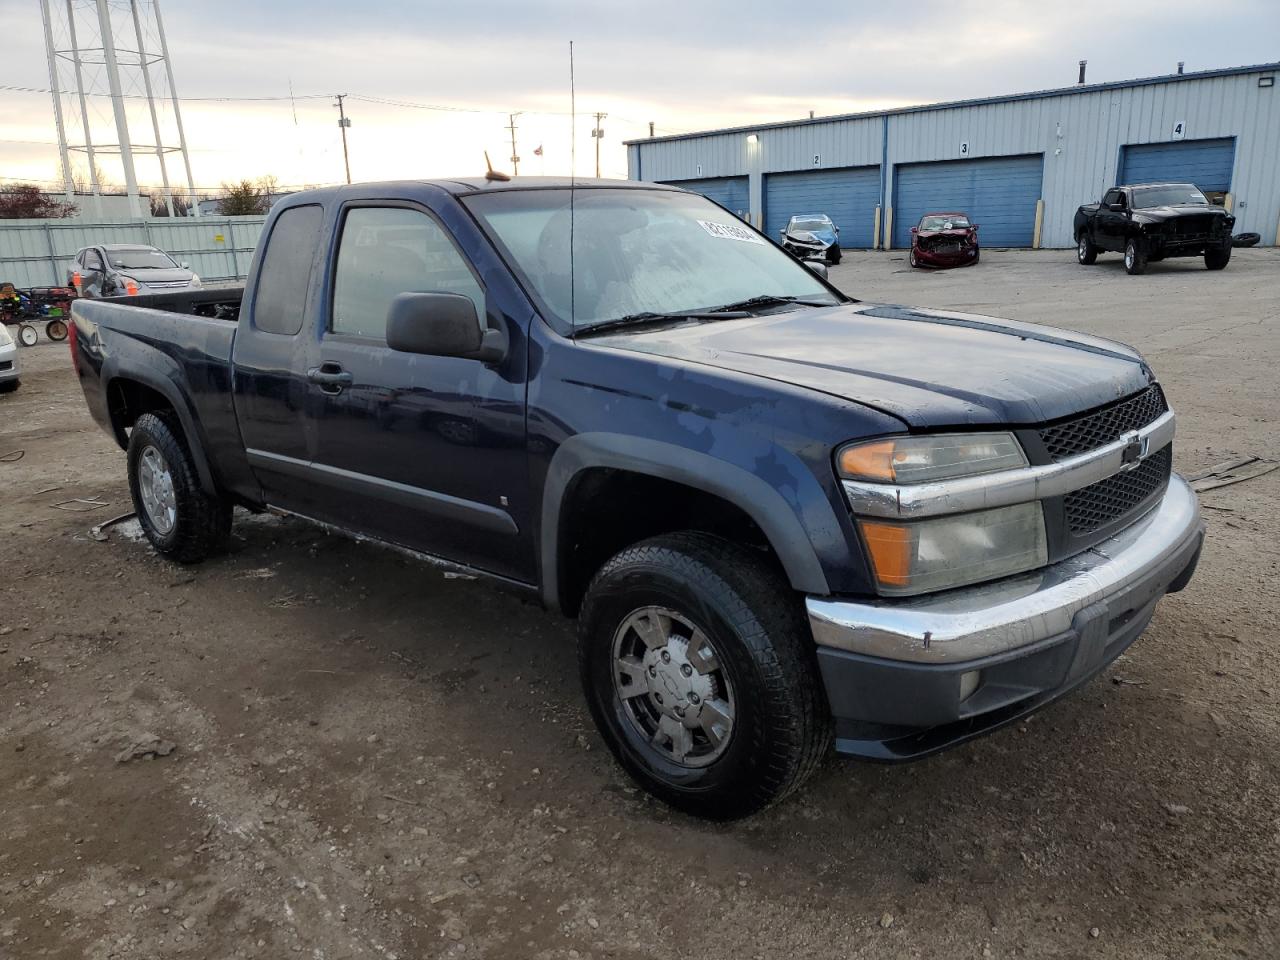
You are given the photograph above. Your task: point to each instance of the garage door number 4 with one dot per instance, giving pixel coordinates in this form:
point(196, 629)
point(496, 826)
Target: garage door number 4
point(1179, 129)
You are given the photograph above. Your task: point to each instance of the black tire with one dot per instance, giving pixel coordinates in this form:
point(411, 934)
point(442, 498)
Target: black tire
point(1248, 239)
point(8, 386)
point(201, 524)
point(763, 653)
point(833, 255)
point(1086, 252)
point(1135, 256)
point(28, 336)
point(911, 258)
point(977, 258)
point(1219, 258)
point(56, 330)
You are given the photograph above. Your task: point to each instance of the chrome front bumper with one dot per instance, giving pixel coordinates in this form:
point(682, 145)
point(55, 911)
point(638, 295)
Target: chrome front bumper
point(993, 619)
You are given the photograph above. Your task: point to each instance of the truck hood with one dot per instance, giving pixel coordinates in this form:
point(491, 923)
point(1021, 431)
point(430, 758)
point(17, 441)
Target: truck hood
point(1161, 214)
point(928, 368)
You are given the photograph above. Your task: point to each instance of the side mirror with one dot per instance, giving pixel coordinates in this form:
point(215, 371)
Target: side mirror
point(817, 266)
point(837, 229)
point(184, 265)
point(442, 325)
point(1116, 207)
point(915, 229)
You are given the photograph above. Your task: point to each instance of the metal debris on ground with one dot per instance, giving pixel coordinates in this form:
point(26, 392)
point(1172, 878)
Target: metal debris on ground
point(147, 747)
point(86, 505)
point(1125, 681)
point(13, 456)
point(1231, 471)
point(99, 532)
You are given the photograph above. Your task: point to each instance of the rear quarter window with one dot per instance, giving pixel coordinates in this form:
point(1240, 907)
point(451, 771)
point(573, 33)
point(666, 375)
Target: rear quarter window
point(285, 273)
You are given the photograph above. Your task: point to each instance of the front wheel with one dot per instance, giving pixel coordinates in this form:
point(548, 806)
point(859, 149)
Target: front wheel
point(1135, 256)
point(181, 520)
point(1217, 259)
point(833, 255)
point(911, 258)
point(700, 674)
point(1086, 252)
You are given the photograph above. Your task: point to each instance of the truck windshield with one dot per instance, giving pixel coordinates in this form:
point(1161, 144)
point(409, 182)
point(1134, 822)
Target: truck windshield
point(1177, 195)
point(143, 258)
point(636, 252)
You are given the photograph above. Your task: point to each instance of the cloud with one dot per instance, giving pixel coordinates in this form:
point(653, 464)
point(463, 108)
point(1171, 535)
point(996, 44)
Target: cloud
point(684, 65)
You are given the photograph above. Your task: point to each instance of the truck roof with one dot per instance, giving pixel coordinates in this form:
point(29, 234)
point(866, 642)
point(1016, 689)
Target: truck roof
point(461, 186)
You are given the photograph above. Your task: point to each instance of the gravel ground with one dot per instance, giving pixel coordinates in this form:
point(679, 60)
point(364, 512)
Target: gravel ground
point(372, 760)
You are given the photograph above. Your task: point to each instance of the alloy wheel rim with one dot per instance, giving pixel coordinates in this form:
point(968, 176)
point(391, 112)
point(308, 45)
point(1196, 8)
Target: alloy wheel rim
point(672, 686)
point(1128, 256)
point(1081, 249)
point(155, 486)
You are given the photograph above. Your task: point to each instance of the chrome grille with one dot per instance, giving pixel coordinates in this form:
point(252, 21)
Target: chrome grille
point(1101, 427)
point(1108, 500)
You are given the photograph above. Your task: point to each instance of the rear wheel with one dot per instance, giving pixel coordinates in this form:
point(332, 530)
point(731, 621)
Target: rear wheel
point(1219, 258)
point(700, 674)
point(1086, 252)
point(181, 520)
point(1135, 256)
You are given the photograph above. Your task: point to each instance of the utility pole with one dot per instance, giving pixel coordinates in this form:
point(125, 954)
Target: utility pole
point(598, 133)
point(515, 157)
point(343, 122)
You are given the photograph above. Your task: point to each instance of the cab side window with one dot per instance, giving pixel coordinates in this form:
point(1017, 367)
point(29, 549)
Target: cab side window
point(386, 251)
point(92, 261)
point(285, 274)
point(1113, 196)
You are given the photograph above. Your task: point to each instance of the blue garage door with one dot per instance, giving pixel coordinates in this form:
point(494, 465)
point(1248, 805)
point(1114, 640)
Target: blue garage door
point(1206, 163)
point(998, 193)
point(848, 196)
point(729, 192)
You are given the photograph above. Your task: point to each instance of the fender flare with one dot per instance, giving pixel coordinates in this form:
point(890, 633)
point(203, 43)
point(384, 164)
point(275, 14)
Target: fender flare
point(169, 390)
point(758, 499)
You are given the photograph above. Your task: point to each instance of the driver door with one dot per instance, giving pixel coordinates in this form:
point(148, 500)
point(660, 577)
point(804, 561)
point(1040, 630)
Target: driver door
point(1111, 223)
point(424, 451)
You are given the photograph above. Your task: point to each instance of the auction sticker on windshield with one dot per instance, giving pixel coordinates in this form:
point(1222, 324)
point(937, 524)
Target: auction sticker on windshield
point(728, 231)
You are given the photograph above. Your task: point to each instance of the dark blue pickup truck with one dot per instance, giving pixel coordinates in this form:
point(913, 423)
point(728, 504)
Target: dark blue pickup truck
point(782, 517)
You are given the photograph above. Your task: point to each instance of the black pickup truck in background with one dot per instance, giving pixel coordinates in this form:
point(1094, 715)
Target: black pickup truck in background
point(1151, 222)
point(783, 518)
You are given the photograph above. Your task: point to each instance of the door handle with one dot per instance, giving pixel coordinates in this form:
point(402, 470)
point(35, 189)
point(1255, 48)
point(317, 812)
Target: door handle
point(330, 377)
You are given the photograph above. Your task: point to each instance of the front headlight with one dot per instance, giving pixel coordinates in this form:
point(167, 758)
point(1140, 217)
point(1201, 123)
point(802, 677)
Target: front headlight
point(195, 280)
point(921, 556)
point(5, 337)
point(926, 555)
point(921, 459)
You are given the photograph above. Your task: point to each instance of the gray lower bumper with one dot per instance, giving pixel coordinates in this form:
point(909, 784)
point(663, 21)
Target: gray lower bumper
point(900, 676)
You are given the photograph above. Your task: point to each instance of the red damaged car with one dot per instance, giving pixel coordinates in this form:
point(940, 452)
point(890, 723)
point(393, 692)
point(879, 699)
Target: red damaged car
point(944, 240)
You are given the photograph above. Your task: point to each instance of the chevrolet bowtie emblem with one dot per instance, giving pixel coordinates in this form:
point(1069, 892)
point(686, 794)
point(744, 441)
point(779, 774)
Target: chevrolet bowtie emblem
point(1134, 450)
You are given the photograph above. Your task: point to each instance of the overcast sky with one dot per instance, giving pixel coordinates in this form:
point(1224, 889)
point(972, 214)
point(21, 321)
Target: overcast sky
point(686, 66)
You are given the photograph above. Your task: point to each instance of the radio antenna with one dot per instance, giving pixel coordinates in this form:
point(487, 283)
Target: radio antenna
point(573, 170)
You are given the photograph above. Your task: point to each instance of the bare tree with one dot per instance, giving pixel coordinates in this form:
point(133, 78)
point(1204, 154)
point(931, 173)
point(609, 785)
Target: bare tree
point(21, 201)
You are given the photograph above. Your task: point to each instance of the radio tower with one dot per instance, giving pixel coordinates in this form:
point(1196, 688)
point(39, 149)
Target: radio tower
point(114, 100)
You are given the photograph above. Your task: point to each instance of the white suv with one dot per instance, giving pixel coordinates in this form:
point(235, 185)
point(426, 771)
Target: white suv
point(8, 361)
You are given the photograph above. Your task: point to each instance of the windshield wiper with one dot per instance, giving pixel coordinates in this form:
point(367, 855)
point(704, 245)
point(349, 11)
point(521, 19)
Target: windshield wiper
point(771, 300)
point(649, 316)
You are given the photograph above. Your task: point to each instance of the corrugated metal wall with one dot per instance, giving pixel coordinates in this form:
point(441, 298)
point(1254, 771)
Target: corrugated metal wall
point(39, 252)
point(1081, 134)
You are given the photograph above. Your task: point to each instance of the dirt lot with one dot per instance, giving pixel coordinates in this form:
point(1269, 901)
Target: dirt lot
point(375, 761)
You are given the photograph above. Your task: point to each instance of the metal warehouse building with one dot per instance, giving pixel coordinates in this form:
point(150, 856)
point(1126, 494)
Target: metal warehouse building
point(1018, 165)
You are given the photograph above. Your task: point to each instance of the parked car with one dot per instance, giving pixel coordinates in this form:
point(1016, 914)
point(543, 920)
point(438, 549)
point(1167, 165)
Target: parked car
point(812, 236)
point(1153, 221)
point(128, 269)
point(9, 378)
point(944, 240)
point(782, 518)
